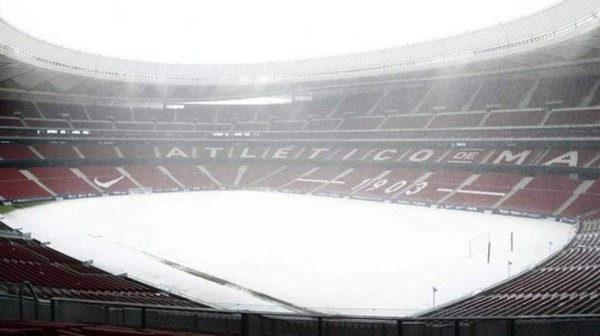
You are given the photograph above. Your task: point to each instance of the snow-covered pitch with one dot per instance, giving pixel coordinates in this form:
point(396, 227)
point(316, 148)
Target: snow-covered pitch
point(284, 252)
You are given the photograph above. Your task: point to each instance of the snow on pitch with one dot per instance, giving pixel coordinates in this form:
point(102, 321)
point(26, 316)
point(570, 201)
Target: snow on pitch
point(326, 254)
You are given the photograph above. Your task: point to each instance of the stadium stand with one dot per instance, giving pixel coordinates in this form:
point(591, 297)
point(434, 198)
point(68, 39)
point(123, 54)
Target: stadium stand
point(351, 181)
point(33, 328)
point(447, 96)
point(56, 151)
point(110, 113)
point(94, 151)
point(513, 134)
point(63, 182)
point(360, 104)
point(406, 122)
point(151, 177)
point(515, 118)
point(360, 123)
point(401, 100)
point(191, 176)
point(15, 185)
point(550, 191)
point(565, 284)
point(323, 116)
point(54, 274)
point(108, 179)
point(562, 92)
point(574, 117)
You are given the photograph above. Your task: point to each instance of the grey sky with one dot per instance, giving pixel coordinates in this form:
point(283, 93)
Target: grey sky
point(233, 31)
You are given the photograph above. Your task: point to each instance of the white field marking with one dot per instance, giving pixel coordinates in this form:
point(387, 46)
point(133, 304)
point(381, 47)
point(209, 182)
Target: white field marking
point(320, 181)
point(474, 192)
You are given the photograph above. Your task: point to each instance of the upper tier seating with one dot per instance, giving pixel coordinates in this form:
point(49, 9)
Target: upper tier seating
point(292, 125)
point(13, 108)
point(151, 115)
point(98, 151)
point(235, 113)
point(406, 122)
point(62, 111)
point(135, 151)
point(92, 125)
point(196, 113)
point(562, 92)
point(360, 123)
point(46, 123)
point(457, 120)
point(269, 113)
point(250, 126)
point(134, 126)
point(574, 117)
point(322, 124)
point(401, 101)
point(449, 96)
point(11, 122)
point(318, 107)
point(114, 113)
point(501, 94)
point(515, 118)
point(451, 103)
point(174, 126)
point(357, 104)
point(56, 151)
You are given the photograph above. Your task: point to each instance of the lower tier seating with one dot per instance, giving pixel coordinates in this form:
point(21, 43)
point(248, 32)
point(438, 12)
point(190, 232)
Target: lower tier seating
point(54, 274)
point(36, 328)
point(565, 284)
point(540, 194)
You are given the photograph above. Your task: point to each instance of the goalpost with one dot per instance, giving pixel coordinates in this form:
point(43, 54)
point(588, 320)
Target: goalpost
point(480, 243)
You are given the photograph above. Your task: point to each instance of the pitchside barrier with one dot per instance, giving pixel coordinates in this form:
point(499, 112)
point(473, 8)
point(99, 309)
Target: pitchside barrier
point(258, 324)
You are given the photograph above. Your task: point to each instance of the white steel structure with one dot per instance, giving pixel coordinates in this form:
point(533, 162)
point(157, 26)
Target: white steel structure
point(557, 23)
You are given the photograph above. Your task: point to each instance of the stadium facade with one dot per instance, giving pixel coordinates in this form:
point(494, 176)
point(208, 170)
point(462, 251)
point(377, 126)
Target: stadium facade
point(503, 120)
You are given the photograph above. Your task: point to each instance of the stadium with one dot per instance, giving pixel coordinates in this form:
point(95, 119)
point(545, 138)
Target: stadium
point(444, 187)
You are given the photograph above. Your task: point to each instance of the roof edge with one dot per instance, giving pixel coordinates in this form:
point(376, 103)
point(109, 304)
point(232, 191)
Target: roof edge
point(551, 24)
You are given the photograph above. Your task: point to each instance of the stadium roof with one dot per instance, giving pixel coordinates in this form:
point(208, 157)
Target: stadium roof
point(245, 32)
point(554, 24)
